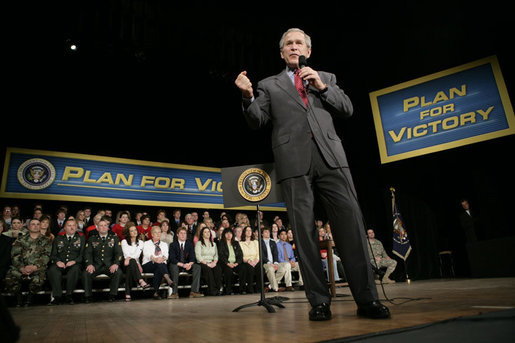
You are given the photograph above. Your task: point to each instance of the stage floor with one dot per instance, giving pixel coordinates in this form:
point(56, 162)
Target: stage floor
point(210, 319)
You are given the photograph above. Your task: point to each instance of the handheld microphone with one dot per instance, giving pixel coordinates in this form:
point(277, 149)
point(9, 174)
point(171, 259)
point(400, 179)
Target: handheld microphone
point(302, 61)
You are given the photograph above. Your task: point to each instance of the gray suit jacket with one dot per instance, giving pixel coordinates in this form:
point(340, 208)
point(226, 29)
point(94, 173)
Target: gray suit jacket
point(278, 101)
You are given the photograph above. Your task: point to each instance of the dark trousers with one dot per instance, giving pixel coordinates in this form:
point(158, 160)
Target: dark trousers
point(211, 276)
point(335, 189)
point(159, 270)
point(115, 277)
point(248, 275)
point(55, 277)
point(195, 275)
point(132, 275)
point(228, 277)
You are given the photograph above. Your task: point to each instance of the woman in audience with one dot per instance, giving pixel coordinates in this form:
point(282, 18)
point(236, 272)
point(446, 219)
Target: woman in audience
point(238, 230)
point(155, 256)
point(275, 232)
point(132, 248)
point(230, 259)
point(166, 233)
point(81, 223)
point(250, 248)
point(206, 254)
point(44, 227)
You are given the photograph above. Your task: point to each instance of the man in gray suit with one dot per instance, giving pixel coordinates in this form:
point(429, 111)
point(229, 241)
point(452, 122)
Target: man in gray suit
point(310, 160)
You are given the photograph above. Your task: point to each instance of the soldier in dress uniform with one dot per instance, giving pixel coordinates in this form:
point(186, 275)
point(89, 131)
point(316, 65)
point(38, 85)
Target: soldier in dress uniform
point(66, 259)
point(30, 254)
point(381, 257)
point(103, 255)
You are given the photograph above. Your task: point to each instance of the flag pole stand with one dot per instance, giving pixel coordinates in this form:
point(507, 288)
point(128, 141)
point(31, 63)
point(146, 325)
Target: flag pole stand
point(406, 272)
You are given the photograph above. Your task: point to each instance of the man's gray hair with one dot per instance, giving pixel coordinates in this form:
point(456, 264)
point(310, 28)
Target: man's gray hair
point(306, 37)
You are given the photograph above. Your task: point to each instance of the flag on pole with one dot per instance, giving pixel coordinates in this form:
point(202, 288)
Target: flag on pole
point(401, 244)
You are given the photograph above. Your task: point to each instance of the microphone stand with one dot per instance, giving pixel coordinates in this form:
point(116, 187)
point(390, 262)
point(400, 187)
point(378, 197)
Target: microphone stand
point(265, 302)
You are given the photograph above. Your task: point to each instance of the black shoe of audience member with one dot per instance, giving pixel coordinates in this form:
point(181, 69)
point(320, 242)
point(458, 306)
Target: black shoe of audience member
point(87, 300)
point(112, 298)
point(320, 312)
point(28, 301)
point(56, 301)
point(373, 310)
point(69, 300)
point(19, 300)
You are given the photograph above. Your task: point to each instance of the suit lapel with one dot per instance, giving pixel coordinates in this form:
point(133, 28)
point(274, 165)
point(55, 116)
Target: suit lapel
point(284, 82)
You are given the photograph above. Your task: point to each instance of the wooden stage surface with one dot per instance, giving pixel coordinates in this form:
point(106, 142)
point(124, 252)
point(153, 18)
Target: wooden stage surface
point(210, 319)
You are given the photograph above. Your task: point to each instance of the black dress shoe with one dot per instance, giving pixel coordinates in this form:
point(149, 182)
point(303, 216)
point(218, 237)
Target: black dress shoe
point(56, 301)
point(374, 310)
point(320, 312)
point(69, 300)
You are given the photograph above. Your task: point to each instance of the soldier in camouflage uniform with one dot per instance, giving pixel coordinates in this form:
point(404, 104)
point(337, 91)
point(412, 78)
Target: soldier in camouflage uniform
point(103, 255)
point(381, 257)
point(66, 259)
point(30, 255)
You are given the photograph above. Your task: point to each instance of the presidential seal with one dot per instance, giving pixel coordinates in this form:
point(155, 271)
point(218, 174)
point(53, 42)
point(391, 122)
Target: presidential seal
point(254, 184)
point(36, 174)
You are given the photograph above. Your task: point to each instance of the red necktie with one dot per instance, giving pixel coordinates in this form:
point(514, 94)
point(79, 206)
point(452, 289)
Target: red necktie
point(300, 87)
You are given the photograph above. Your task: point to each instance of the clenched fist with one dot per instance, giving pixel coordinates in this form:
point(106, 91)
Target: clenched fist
point(244, 84)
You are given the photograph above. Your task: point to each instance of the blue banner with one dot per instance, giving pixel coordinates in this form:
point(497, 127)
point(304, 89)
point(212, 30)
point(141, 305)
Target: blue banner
point(36, 174)
point(459, 106)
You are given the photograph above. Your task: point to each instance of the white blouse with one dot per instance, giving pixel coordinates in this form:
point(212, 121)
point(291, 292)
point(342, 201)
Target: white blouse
point(149, 249)
point(132, 251)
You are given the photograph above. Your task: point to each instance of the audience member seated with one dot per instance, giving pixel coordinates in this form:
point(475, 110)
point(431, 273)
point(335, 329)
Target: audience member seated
point(285, 255)
point(66, 259)
point(145, 226)
point(45, 227)
point(103, 255)
point(274, 271)
point(58, 223)
point(206, 254)
point(166, 233)
point(381, 257)
point(132, 247)
point(182, 258)
point(322, 235)
point(238, 233)
point(6, 244)
point(92, 230)
point(175, 223)
point(155, 257)
point(230, 258)
point(250, 248)
point(30, 255)
point(120, 225)
point(16, 229)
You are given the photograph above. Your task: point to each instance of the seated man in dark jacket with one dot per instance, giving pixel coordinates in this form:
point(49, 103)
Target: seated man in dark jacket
point(66, 259)
point(103, 255)
point(182, 258)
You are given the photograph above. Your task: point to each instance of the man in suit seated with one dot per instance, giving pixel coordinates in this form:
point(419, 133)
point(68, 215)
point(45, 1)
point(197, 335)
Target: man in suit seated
point(182, 258)
point(274, 270)
point(103, 255)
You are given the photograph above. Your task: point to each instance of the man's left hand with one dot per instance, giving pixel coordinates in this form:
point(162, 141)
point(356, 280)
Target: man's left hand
point(312, 77)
